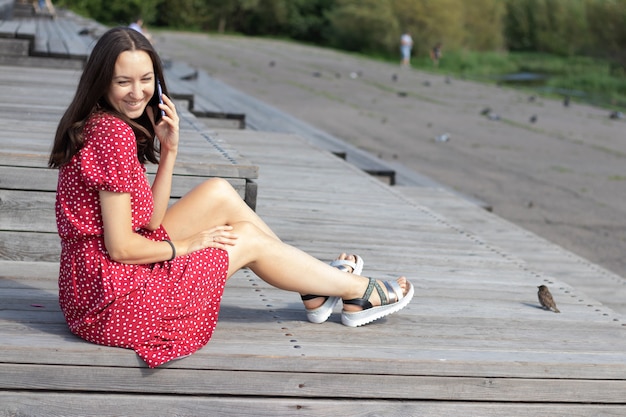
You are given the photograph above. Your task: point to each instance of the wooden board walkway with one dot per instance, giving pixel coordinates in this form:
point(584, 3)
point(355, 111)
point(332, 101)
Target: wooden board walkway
point(535, 252)
point(63, 42)
point(473, 342)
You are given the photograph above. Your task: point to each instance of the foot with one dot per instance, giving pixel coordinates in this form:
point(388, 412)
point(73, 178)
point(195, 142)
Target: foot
point(379, 299)
point(319, 308)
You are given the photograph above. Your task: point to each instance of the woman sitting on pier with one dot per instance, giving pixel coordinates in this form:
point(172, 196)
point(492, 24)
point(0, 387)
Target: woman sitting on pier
point(138, 274)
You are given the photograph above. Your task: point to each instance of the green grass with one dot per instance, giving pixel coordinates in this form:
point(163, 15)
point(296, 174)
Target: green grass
point(583, 78)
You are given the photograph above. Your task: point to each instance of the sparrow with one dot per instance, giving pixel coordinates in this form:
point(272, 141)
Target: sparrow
point(545, 299)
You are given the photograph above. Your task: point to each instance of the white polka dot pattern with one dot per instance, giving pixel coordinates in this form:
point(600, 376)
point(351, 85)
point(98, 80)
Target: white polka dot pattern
point(163, 310)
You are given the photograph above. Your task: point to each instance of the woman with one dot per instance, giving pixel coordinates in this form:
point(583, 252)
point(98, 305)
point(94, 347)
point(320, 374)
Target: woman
point(138, 274)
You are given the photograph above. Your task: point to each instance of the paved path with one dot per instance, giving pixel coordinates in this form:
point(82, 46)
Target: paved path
point(563, 177)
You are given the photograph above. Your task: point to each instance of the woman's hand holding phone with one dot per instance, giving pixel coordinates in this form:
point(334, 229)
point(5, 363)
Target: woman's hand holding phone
point(159, 113)
point(166, 121)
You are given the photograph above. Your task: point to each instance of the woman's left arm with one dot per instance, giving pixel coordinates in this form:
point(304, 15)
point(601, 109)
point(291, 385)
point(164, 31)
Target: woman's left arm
point(167, 132)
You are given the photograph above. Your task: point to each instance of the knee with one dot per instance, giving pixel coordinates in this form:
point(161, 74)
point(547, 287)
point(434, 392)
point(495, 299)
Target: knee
point(247, 229)
point(216, 188)
point(248, 232)
point(217, 184)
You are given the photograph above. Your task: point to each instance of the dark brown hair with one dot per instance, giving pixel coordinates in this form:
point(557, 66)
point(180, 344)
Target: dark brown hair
point(91, 95)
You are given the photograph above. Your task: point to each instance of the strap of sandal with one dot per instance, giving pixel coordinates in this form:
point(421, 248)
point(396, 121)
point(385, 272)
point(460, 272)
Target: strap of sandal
point(393, 295)
point(364, 302)
point(344, 265)
point(394, 291)
point(308, 297)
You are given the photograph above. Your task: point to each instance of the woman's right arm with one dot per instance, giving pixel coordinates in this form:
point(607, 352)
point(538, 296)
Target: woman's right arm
point(126, 246)
point(122, 243)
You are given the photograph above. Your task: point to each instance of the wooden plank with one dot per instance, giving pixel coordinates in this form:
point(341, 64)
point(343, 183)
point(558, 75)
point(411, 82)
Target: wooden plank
point(35, 60)
point(27, 210)
point(24, 159)
point(10, 48)
point(68, 32)
point(40, 47)
point(27, 29)
point(311, 385)
point(35, 270)
point(8, 28)
point(28, 179)
point(101, 405)
point(41, 78)
point(30, 246)
point(28, 306)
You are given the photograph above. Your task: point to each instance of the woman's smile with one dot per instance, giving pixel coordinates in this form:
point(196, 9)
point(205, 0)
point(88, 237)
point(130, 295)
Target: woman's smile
point(133, 83)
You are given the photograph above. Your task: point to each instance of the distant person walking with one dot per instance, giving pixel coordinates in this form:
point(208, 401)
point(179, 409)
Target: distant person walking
point(44, 6)
point(435, 54)
point(406, 44)
point(138, 25)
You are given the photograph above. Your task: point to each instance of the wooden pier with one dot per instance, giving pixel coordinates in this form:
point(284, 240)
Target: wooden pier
point(474, 341)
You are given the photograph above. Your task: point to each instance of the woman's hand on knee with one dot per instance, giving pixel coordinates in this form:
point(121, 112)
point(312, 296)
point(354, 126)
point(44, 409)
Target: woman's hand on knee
point(216, 237)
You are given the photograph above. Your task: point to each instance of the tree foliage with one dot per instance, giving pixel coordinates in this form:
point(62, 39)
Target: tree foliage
point(564, 27)
point(607, 27)
point(555, 26)
point(362, 25)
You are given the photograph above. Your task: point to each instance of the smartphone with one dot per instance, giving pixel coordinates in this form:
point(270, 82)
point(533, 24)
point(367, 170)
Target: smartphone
point(158, 114)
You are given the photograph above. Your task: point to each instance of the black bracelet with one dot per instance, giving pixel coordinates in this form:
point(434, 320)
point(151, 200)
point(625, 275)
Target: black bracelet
point(173, 249)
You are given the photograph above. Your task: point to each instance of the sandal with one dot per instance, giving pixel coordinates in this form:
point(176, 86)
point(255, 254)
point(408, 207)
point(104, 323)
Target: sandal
point(391, 302)
point(323, 312)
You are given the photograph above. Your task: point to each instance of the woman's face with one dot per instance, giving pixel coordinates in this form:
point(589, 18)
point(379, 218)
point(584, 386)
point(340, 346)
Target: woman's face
point(133, 83)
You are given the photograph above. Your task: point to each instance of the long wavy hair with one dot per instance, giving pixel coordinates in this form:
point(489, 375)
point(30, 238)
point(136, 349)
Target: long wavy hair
point(91, 94)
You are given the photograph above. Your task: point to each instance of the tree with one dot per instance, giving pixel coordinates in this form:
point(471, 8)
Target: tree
point(607, 24)
point(483, 25)
point(561, 26)
point(553, 26)
point(363, 25)
point(115, 12)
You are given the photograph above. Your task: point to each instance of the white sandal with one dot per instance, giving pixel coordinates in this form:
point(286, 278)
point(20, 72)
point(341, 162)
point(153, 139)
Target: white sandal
point(391, 302)
point(323, 312)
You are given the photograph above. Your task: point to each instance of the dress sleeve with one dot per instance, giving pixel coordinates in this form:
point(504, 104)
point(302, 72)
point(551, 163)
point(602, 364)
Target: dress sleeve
point(109, 155)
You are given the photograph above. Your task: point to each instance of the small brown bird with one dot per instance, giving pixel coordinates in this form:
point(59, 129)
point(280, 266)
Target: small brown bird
point(545, 298)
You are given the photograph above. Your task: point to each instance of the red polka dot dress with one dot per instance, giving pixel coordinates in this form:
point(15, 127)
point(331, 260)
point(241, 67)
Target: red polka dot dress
point(163, 310)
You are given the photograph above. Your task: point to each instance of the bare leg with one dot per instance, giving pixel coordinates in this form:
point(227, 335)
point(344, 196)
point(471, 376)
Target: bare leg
point(215, 203)
point(212, 203)
point(291, 269)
